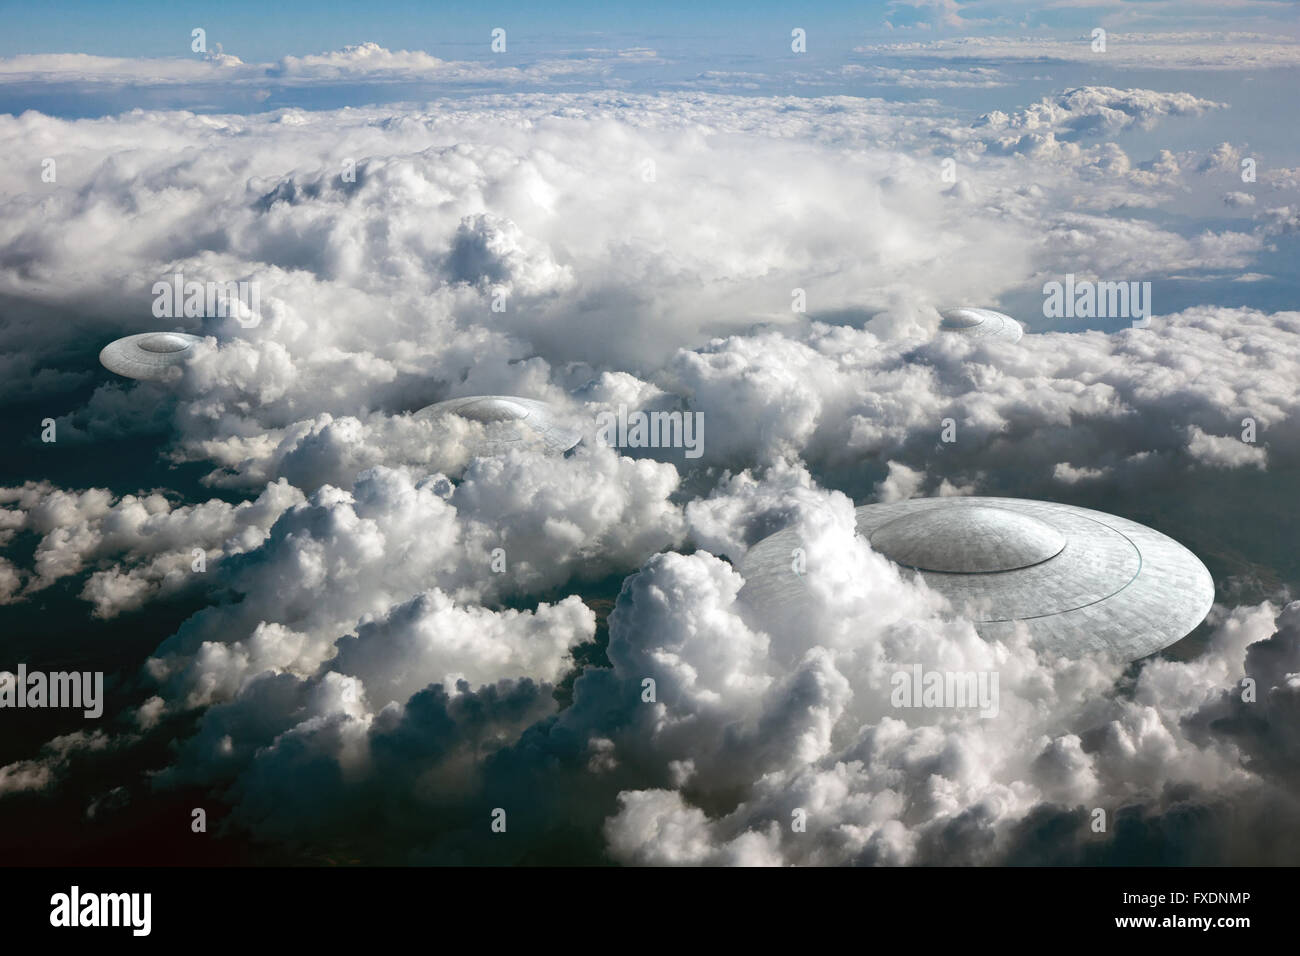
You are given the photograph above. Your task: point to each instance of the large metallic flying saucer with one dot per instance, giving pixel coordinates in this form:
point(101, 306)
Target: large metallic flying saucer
point(149, 355)
point(1080, 580)
point(981, 324)
point(507, 421)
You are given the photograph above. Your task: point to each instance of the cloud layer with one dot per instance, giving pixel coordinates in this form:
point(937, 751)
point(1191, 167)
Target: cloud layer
point(391, 630)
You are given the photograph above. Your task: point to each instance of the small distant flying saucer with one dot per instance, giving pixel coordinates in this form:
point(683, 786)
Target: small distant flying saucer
point(150, 355)
point(1079, 580)
point(981, 324)
point(508, 422)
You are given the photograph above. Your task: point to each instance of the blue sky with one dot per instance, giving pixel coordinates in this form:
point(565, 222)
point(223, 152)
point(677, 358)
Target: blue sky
point(260, 30)
point(265, 31)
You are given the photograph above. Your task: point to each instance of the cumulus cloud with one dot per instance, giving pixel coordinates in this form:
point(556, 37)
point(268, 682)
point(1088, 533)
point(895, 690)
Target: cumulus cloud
point(361, 63)
point(154, 547)
point(56, 756)
point(429, 637)
point(935, 78)
point(1228, 50)
point(1069, 474)
point(895, 792)
point(1226, 451)
point(1093, 110)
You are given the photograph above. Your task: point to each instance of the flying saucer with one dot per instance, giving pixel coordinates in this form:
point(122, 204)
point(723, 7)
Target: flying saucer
point(149, 355)
point(1081, 581)
point(981, 324)
point(508, 422)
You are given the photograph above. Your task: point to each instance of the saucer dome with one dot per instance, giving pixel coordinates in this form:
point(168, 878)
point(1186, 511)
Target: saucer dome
point(149, 355)
point(1079, 580)
point(508, 421)
point(981, 324)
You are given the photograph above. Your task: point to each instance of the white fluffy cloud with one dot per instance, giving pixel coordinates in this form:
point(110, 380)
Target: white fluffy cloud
point(1229, 451)
point(361, 63)
point(1091, 111)
point(151, 545)
point(1168, 51)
